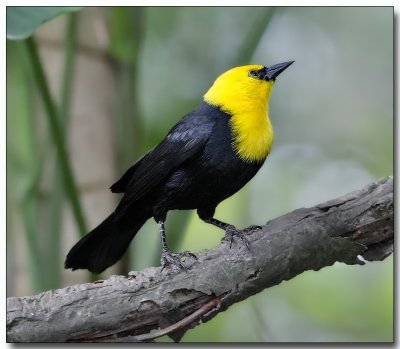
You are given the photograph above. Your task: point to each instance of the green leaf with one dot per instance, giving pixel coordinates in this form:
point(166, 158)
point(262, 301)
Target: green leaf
point(23, 21)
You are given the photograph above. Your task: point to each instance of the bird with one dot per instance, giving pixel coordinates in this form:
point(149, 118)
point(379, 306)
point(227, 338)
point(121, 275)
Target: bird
point(209, 155)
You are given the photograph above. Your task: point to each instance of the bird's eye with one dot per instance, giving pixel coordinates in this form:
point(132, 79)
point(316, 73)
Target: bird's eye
point(254, 74)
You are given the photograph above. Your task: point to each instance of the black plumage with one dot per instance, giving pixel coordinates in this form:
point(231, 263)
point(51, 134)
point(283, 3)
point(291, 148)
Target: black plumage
point(194, 167)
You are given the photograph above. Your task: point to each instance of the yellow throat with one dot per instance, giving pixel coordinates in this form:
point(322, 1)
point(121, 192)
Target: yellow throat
point(246, 100)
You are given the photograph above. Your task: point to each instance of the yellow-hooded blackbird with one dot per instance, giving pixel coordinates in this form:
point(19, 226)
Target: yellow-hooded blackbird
point(206, 157)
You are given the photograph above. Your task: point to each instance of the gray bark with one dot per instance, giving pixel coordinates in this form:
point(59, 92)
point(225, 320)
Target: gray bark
point(128, 308)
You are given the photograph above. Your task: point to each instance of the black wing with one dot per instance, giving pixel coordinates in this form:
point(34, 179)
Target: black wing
point(122, 183)
point(183, 142)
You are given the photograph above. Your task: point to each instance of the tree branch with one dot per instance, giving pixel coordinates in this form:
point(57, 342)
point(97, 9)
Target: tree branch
point(355, 227)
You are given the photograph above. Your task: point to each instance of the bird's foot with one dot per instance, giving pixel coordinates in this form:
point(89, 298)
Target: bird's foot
point(170, 258)
point(252, 227)
point(231, 231)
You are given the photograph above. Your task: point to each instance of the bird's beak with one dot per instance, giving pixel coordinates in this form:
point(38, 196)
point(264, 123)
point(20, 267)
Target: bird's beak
point(274, 70)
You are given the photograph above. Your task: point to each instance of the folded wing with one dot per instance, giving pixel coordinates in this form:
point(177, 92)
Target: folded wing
point(185, 140)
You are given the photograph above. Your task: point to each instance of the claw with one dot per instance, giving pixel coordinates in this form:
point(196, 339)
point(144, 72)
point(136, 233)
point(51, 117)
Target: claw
point(170, 258)
point(252, 227)
point(188, 254)
point(231, 231)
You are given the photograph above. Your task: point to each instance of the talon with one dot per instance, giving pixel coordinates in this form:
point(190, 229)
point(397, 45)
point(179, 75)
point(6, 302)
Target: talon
point(168, 258)
point(231, 231)
point(189, 254)
point(252, 227)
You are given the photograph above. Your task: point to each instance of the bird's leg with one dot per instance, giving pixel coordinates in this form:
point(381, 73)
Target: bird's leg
point(167, 256)
point(231, 231)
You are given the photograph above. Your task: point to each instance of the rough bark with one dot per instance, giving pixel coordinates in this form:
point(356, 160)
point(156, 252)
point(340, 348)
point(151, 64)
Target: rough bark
point(350, 229)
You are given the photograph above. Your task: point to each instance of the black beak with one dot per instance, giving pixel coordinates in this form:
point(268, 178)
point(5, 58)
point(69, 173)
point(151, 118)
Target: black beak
point(274, 70)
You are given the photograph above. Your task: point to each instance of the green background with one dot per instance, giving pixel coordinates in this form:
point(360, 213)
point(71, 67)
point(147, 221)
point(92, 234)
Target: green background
point(332, 113)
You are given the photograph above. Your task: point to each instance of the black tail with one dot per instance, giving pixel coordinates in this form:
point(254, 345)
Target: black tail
point(104, 245)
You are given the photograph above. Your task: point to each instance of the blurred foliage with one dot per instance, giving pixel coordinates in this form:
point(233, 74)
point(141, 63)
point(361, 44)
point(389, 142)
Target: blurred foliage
point(23, 21)
point(126, 31)
point(45, 246)
point(333, 120)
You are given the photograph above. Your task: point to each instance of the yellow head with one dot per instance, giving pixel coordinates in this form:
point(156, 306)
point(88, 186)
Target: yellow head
point(244, 92)
point(241, 86)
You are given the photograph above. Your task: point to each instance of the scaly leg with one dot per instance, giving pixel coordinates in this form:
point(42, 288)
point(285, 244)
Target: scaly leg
point(167, 256)
point(231, 231)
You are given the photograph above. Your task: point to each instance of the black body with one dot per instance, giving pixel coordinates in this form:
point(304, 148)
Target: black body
point(194, 167)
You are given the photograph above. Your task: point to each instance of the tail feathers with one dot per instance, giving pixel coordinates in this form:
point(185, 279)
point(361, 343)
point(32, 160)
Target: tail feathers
point(103, 246)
